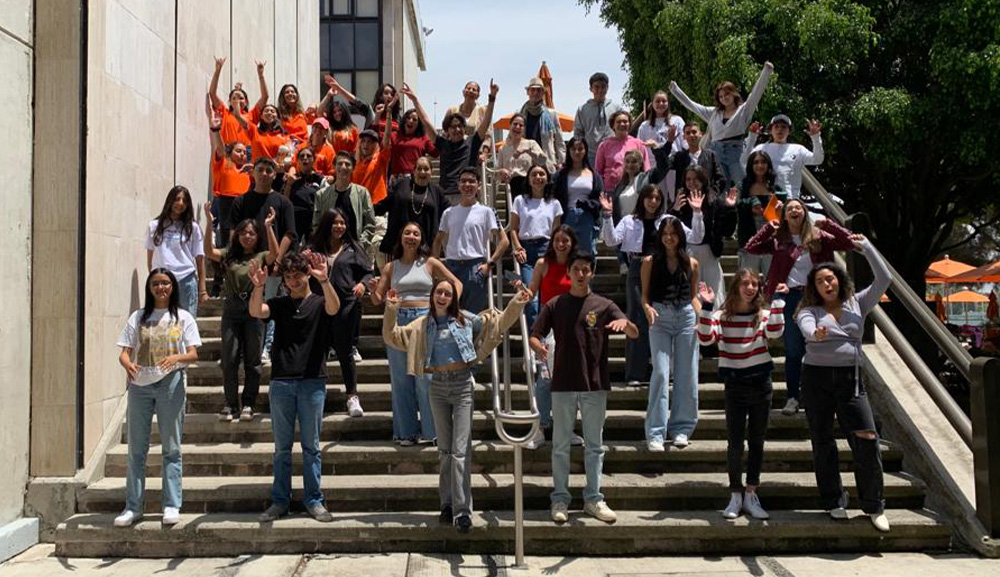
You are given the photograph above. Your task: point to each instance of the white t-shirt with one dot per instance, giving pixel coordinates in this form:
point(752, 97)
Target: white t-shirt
point(800, 270)
point(627, 199)
point(159, 337)
point(176, 253)
point(536, 216)
point(578, 188)
point(469, 229)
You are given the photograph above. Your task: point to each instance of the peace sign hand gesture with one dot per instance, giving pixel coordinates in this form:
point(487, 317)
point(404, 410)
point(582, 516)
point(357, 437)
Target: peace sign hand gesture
point(258, 274)
point(271, 215)
point(208, 213)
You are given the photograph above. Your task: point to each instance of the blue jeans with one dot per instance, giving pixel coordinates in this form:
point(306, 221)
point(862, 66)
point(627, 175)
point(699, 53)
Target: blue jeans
point(583, 224)
point(409, 393)
point(474, 285)
point(673, 341)
point(452, 402)
point(593, 406)
point(187, 293)
point(795, 344)
point(166, 399)
point(728, 152)
point(534, 248)
point(302, 400)
point(636, 350)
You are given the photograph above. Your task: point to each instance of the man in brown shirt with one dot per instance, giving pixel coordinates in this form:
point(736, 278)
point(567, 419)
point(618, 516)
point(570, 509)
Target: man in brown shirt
point(580, 321)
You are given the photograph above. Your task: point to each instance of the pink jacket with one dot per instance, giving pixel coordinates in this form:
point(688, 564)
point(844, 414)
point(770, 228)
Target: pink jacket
point(832, 237)
point(610, 161)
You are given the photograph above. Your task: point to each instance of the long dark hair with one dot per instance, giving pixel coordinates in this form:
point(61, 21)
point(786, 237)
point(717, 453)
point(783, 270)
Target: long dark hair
point(751, 178)
point(322, 239)
point(706, 186)
point(562, 177)
point(378, 100)
point(419, 131)
point(811, 296)
point(345, 114)
point(423, 251)
point(660, 251)
point(639, 212)
point(284, 111)
point(547, 188)
point(246, 100)
point(275, 126)
point(150, 303)
point(453, 309)
point(165, 219)
point(236, 253)
point(550, 253)
point(651, 113)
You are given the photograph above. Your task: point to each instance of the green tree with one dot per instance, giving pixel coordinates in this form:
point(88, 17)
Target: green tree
point(908, 92)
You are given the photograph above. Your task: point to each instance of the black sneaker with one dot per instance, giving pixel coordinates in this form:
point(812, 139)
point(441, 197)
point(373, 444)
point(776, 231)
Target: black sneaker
point(226, 414)
point(464, 523)
point(273, 513)
point(446, 517)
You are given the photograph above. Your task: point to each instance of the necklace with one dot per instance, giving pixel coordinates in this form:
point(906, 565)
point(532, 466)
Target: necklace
point(413, 200)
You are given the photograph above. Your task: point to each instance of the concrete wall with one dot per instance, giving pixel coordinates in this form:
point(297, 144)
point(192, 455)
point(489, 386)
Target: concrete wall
point(148, 69)
point(16, 55)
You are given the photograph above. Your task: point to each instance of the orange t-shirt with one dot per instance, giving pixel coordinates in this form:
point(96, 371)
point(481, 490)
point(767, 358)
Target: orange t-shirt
point(297, 127)
point(227, 179)
point(231, 130)
point(345, 140)
point(371, 174)
point(266, 143)
point(324, 158)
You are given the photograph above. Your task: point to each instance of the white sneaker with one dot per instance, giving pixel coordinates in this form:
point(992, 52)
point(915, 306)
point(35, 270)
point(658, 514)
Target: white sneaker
point(171, 516)
point(655, 446)
point(246, 414)
point(560, 512)
point(734, 507)
point(354, 407)
point(752, 507)
point(265, 358)
point(575, 440)
point(600, 510)
point(127, 518)
point(681, 441)
point(880, 522)
point(791, 407)
point(356, 354)
point(633, 383)
point(537, 441)
point(840, 511)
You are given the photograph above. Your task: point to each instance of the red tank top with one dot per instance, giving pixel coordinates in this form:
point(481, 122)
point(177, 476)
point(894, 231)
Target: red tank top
point(554, 283)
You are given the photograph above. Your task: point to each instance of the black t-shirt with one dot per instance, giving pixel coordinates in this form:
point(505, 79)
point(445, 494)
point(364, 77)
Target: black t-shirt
point(408, 202)
point(578, 324)
point(301, 329)
point(303, 198)
point(533, 128)
point(648, 235)
point(255, 205)
point(343, 203)
point(455, 156)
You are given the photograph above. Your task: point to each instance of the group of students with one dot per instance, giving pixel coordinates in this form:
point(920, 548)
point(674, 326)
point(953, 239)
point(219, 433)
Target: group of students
point(301, 220)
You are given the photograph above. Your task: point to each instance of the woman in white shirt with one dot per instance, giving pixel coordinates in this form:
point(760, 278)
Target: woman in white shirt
point(517, 156)
point(533, 219)
point(662, 129)
point(174, 242)
point(578, 189)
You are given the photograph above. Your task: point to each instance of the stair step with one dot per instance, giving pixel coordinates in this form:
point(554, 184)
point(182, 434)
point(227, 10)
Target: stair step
point(419, 492)
point(492, 457)
point(620, 425)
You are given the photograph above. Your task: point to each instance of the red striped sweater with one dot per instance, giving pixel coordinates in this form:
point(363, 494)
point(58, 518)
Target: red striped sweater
point(742, 339)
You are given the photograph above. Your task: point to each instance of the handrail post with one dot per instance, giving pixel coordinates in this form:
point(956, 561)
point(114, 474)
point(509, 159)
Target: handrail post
point(984, 403)
point(858, 268)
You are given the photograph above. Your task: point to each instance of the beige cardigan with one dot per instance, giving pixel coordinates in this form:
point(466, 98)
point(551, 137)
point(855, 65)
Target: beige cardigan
point(412, 337)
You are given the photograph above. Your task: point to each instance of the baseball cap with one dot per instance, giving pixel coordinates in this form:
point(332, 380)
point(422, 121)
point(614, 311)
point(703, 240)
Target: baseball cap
point(368, 133)
point(781, 118)
point(322, 122)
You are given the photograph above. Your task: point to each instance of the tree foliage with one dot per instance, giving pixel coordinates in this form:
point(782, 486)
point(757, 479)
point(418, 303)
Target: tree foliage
point(908, 92)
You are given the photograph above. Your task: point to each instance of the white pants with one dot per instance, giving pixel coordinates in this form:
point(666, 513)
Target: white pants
point(710, 270)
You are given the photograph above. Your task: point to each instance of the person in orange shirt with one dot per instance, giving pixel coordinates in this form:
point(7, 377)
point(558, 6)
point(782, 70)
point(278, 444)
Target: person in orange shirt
point(293, 118)
point(266, 136)
point(229, 179)
point(371, 171)
point(232, 130)
point(322, 151)
point(343, 131)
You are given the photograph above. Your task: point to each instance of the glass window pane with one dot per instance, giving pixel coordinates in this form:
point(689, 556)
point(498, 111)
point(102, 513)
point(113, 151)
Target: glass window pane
point(367, 84)
point(341, 7)
point(345, 79)
point(324, 46)
point(341, 45)
point(366, 8)
point(366, 46)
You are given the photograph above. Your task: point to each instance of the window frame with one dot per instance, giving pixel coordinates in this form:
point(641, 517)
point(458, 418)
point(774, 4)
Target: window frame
point(353, 19)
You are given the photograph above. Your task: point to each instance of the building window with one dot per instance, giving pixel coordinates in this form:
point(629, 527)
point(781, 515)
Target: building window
point(351, 45)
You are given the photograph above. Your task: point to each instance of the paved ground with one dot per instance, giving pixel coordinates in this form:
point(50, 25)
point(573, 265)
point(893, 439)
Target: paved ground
point(40, 561)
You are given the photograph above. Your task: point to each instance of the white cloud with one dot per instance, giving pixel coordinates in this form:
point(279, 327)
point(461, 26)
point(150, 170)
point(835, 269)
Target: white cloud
point(508, 40)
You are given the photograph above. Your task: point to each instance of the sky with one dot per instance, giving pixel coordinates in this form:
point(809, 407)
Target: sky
point(508, 40)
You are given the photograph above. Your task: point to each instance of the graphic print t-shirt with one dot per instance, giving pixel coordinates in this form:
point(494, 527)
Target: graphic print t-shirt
point(160, 336)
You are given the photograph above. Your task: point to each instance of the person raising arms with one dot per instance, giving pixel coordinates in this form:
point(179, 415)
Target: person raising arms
point(231, 129)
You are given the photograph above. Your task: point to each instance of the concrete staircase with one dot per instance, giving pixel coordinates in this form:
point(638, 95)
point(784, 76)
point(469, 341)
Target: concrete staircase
point(384, 497)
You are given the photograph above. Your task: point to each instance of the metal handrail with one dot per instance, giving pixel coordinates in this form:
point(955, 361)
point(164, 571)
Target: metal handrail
point(930, 323)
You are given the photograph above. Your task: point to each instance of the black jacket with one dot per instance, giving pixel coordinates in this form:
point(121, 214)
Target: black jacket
point(719, 219)
point(681, 160)
point(560, 191)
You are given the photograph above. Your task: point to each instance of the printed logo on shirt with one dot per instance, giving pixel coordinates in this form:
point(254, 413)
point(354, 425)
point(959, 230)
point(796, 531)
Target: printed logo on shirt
point(592, 319)
point(158, 341)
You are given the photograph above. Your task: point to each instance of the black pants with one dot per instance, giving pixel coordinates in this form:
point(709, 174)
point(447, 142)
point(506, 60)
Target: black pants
point(225, 206)
point(242, 337)
point(748, 406)
point(345, 328)
point(830, 391)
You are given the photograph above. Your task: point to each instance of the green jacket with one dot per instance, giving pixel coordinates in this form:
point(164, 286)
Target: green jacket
point(361, 203)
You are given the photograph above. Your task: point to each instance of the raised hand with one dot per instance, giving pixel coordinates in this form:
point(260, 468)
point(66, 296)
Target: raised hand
point(317, 265)
point(859, 241)
point(494, 88)
point(258, 274)
point(705, 293)
point(607, 204)
point(208, 213)
point(769, 65)
point(696, 199)
point(775, 224)
point(214, 120)
point(755, 127)
point(813, 127)
point(617, 326)
point(406, 91)
point(260, 66)
point(680, 201)
point(821, 333)
point(271, 215)
point(672, 133)
point(732, 196)
point(220, 62)
point(650, 313)
point(673, 85)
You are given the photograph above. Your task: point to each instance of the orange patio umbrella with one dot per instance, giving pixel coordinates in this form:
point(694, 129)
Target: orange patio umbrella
point(986, 273)
point(565, 122)
point(546, 77)
point(967, 297)
point(940, 271)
